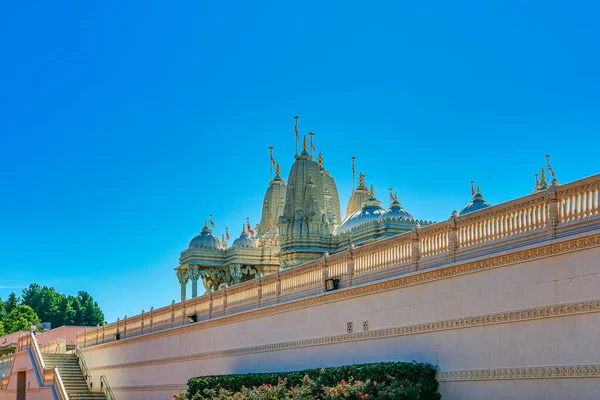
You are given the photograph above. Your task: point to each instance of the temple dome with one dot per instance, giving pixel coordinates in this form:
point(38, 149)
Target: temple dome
point(477, 203)
point(397, 212)
point(244, 240)
point(371, 211)
point(205, 240)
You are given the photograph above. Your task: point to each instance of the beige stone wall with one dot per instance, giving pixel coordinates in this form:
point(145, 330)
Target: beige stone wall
point(517, 324)
point(22, 362)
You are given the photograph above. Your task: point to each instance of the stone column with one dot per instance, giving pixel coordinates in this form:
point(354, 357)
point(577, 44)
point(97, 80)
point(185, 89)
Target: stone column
point(416, 249)
point(324, 271)
point(552, 218)
point(182, 277)
point(193, 275)
point(452, 237)
point(350, 263)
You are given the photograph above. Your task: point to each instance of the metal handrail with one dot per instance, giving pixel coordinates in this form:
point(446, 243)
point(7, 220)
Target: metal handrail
point(107, 390)
point(62, 392)
point(84, 368)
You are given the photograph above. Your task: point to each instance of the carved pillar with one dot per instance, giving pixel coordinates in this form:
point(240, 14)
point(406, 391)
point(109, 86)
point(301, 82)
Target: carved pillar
point(142, 324)
point(151, 318)
point(278, 286)
point(210, 305)
point(183, 313)
point(193, 275)
point(224, 299)
point(258, 290)
point(552, 220)
point(324, 271)
point(118, 319)
point(182, 277)
point(416, 249)
point(350, 263)
point(235, 270)
point(452, 237)
point(172, 313)
point(124, 327)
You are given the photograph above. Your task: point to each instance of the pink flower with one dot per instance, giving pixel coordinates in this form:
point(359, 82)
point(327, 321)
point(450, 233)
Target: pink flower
point(374, 383)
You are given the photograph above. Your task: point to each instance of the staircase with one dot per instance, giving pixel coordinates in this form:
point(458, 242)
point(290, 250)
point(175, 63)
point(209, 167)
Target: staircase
point(72, 377)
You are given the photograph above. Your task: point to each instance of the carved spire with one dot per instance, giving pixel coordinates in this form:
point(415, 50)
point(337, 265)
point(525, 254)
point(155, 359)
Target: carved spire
point(320, 160)
point(543, 178)
point(361, 180)
point(278, 170)
point(372, 192)
point(304, 143)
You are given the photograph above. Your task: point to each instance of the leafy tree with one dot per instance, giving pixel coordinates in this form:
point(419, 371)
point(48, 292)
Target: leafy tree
point(44, 301)
point(20, 318)
point(2, 310)
point(87, 310)
point(11, 302)
point(2, 331)
point(65, 312)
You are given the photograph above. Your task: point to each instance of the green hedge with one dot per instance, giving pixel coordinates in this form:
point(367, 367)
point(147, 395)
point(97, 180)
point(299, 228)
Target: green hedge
point(418, 379)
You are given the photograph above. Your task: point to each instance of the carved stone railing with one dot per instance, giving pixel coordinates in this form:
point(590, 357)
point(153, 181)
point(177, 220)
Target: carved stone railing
point(58, 346)
point(555, 212)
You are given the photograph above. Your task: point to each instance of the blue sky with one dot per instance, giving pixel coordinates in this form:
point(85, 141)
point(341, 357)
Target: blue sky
point(124, 124)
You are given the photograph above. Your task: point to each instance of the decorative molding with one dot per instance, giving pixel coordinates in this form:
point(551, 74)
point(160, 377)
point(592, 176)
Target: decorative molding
point(546, 372)
point(529, 314)
point(415, 278)
point(176, 387)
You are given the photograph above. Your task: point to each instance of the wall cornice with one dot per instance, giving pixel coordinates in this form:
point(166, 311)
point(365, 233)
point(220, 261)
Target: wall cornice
point(546, 372)
point(415, 278)
point(529, 314)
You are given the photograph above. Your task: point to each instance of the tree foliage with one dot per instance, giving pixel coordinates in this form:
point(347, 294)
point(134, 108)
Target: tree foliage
point(44, 304)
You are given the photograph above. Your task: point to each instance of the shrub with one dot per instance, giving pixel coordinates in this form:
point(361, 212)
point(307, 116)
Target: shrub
point(387, 380)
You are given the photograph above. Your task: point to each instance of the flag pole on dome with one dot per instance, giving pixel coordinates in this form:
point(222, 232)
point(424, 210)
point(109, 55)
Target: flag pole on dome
point(227, 233)
point(212, 224)
point(472, 188)
point(312, 146)
point(249, 227)
point(537, 182)
point(353, 159)
point(271, 163)
point(296, 130)
point(392, 198)
point(548, 165)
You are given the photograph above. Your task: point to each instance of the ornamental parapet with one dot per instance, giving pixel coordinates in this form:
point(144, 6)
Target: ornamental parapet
point(558, 211)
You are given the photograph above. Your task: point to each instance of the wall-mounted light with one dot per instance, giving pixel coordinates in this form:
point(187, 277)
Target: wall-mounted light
point(192, 318)
point(331, 284)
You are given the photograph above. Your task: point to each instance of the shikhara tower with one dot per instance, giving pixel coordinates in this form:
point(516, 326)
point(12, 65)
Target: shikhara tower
point(311, 214)
point(301, 221)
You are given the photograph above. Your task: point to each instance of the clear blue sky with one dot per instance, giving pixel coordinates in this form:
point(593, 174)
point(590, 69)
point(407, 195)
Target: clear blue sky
point(124, 124)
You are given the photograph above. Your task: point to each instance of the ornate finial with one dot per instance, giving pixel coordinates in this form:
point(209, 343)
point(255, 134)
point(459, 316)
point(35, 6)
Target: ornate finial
point(296, 117)
point(361, 179)
point(537, 181)
point(372, 193)
point(304, 143)
point(222, 237)
point(478, 189)
point(320, 160)
point(543, 178)
point(205, 224)
point(396, 196)
point(243, 228)
point(278, 170)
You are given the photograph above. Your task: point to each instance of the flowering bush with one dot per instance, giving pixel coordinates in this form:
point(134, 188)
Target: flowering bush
point(385, 381)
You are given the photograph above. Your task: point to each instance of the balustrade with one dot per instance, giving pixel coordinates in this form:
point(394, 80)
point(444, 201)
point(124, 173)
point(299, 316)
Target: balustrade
point(532, 216)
